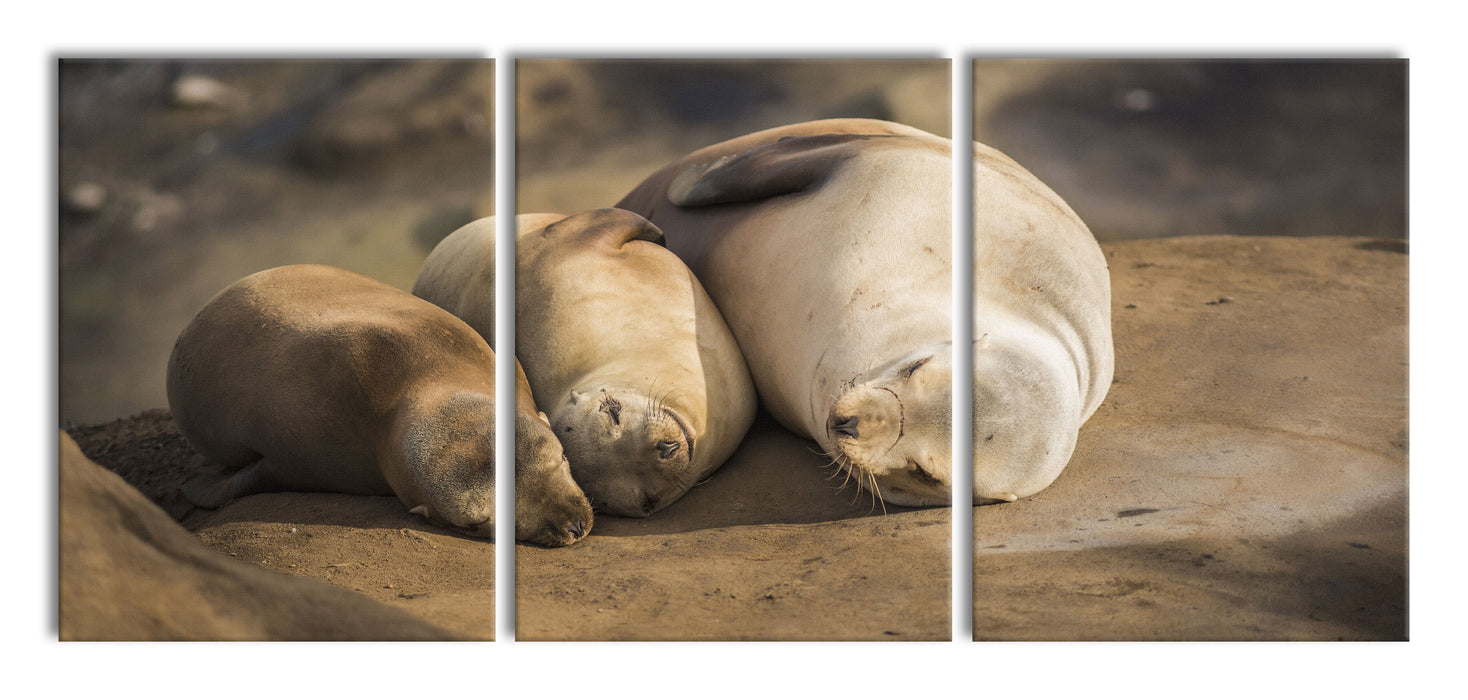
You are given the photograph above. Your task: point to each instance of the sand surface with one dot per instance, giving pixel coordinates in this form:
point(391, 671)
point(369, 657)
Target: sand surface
point(1245, 479)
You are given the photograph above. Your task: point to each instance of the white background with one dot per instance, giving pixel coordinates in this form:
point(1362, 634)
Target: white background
point(34, 37)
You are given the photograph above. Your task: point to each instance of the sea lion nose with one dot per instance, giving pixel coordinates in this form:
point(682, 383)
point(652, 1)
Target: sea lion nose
point(847, 427)
point(577, 528)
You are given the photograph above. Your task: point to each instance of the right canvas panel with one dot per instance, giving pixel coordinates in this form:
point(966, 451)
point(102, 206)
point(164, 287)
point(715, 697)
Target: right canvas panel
point(1190, 350)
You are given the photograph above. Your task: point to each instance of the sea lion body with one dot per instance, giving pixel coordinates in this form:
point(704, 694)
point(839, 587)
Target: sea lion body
point(828, 247)
point(313, 378)
point(1043, 354)
point(635, 367)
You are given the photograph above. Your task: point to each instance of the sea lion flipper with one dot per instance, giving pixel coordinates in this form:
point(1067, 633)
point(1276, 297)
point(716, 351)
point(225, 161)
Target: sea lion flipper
point(613, 226)
point(205, 492)
point(996, 497)
point(792, 164)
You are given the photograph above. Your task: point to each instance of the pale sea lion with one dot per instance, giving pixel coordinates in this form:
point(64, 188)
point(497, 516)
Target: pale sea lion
point(827, 246)
point(1043, 355)
point(642, 381)
point(313, 378)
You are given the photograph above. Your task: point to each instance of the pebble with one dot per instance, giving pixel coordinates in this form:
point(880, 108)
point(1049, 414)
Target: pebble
point(201, 92)
point(86, 197)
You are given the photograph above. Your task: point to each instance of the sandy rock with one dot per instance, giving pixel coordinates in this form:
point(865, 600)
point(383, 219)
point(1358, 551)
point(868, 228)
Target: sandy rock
point(130, 573)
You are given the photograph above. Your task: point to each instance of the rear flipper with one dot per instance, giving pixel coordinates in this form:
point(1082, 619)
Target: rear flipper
point(213, 491)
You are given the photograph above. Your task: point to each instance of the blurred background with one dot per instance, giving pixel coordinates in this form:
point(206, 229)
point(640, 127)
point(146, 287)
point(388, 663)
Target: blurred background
point(1148, 148)
point(587, 131)
point(178, 177)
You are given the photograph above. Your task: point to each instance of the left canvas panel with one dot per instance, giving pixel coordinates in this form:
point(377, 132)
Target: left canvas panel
point(236, 246)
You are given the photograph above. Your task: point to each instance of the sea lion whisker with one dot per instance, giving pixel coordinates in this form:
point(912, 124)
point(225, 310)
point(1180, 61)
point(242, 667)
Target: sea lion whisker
point(837, 467)
point(815, 451)
point(876, 493)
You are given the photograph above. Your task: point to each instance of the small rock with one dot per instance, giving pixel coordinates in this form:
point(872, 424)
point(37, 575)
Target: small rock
point(202, 92)
point(155, 211)
point(208, 142)
point(86, 197)
point(1137, 100)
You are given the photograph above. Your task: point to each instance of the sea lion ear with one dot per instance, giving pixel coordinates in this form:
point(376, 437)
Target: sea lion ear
point(792, 164)
point(982, 343)
point(614, 226)
point(543, 419)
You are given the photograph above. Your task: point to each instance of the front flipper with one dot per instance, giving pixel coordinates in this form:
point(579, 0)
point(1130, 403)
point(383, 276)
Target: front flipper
point(792, 164)
point(614, 227)
point(994, 498)
point(207, 492)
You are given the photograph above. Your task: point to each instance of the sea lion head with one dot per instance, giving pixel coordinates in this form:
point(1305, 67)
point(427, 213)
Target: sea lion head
point(550, 509)
point(448, 452)
point(891, 428)
point(630, 451)
point(1026, 416)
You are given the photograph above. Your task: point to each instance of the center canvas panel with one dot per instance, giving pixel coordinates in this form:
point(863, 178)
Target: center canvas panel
point(733, 307)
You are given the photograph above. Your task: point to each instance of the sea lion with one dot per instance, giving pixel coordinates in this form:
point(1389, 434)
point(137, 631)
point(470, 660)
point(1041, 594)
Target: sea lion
point(641, 379)
point(313, 378)
point(828, 247)
point(1043, 355)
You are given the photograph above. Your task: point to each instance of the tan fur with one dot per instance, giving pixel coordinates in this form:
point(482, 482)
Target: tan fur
point(635, 367)
point(313, 378)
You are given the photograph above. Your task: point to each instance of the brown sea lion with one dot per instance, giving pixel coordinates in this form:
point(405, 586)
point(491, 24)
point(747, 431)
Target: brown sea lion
point(641, 380)
point(313, 378)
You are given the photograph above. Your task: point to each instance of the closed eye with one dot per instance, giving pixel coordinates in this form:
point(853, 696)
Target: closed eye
point(906, 372)
point(922, 474)
point(613, 408)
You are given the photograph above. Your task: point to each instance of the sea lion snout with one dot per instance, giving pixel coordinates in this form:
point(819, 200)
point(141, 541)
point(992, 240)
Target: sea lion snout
point(867, 416)
point(892, 431)
point(566, 523)
point(550, 508)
